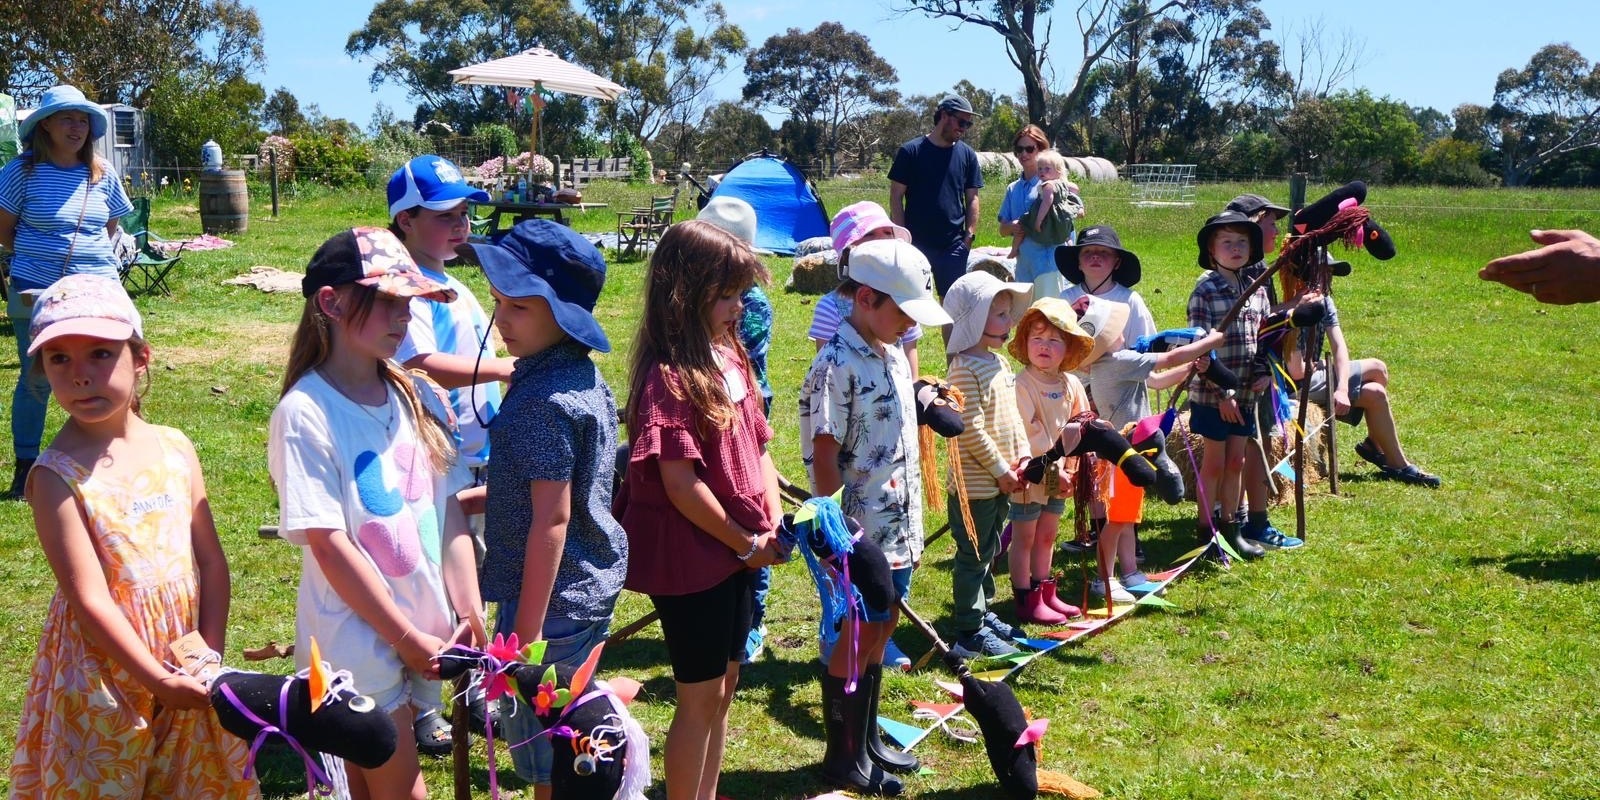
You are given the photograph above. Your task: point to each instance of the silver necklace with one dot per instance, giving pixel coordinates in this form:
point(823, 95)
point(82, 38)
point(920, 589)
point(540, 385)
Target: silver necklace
point(387, 422)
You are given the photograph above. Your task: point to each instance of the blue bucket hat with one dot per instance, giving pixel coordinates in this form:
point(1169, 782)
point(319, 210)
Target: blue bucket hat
point(541, 258)
point(430, 182)
point(64, 98)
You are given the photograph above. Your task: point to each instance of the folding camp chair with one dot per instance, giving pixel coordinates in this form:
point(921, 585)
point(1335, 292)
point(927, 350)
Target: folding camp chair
point(639, 228)
point(148, 270)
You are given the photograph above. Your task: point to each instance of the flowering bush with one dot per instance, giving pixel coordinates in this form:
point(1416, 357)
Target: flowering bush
point(285, 151)
point(533, 163)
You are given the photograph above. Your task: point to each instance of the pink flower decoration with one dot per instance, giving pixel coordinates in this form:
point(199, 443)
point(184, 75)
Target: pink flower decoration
point(545, 697)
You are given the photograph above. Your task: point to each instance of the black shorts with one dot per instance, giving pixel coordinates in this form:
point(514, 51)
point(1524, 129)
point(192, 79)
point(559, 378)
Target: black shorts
point(706, 630)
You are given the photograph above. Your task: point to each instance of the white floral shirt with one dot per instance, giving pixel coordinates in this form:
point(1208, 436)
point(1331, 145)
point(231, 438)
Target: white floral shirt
point(863, 399)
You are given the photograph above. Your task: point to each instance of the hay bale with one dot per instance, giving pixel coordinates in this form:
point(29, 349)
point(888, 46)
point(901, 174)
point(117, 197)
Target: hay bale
point(815, 273)
point(1283, 488)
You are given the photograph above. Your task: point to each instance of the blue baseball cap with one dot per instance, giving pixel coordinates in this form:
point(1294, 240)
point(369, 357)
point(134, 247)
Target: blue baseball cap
point(431, 182)
point(541, 258)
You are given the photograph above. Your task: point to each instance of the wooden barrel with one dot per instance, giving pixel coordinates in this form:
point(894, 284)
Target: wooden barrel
point(224, 202)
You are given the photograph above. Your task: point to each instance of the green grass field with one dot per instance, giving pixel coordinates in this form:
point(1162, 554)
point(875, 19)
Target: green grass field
point(1424, 643)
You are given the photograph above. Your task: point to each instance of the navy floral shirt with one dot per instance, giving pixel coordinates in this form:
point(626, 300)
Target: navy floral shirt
point(558, 423)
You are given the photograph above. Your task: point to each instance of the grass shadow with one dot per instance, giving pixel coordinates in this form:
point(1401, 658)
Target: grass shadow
point(1563, 567)
point(804, 780)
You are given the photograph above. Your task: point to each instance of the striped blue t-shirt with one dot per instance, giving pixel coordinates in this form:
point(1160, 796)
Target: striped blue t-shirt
point(47, 201)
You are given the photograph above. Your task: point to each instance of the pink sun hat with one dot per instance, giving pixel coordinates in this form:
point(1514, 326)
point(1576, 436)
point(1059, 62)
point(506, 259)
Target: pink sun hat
point(84, 305)
point(859, 219)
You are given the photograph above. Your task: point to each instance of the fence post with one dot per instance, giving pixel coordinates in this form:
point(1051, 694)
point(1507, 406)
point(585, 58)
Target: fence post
point(272, 164)
point(1297, 191)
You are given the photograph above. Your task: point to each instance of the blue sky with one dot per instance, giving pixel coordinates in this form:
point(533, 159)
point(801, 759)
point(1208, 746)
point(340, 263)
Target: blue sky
point(1440, 56)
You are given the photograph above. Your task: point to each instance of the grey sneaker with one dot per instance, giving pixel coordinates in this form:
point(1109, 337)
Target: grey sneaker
point(1001, 629)
point(983, 644)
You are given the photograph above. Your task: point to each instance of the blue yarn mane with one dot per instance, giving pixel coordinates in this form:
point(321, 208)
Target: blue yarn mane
point(836, 595)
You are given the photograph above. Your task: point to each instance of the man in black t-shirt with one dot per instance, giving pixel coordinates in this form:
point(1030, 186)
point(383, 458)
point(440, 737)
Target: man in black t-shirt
point(933, 191)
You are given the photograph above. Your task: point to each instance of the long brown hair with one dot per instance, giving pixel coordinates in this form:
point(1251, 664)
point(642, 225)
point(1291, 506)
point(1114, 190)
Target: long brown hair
point(86, 154)
point(694, 263)
point(313, 343)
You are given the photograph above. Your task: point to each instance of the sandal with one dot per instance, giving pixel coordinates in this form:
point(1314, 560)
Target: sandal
point(1370, 453)
point(433, 734)
point(1411, 474)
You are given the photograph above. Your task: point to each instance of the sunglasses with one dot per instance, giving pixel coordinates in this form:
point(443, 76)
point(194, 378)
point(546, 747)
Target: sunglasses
point(963, 124)
point(1020, 150)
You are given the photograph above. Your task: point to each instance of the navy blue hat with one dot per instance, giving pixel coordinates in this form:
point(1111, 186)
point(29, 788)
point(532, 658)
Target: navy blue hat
point(541, 258)
point(1230, 219)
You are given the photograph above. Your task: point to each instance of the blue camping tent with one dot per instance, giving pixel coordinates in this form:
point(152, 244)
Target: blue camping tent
point(787, 210)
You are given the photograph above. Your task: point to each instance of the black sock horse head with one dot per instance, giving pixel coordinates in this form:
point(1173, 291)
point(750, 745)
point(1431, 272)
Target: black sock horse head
point(869, 567)
point(1098, 437)
point(320, 710)
point(1150, 434)
point(1373, 237)
point(938, 406)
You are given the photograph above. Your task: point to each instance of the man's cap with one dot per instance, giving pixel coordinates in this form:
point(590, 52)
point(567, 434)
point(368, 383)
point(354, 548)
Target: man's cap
point(1253, 204)
point(371, 257)
point(543, 258)
point(430, 182)
point(955, 102)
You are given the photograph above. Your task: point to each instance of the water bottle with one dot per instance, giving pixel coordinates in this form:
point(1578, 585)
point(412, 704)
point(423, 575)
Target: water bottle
point(522, 190)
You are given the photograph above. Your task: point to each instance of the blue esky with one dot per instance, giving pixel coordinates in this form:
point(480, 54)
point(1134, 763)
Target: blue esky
point(1422, 53)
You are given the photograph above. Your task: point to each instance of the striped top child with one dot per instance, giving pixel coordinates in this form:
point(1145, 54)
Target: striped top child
point(995, 436)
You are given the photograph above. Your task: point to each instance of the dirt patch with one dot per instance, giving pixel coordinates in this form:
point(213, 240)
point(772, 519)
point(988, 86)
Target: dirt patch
point(253, 342)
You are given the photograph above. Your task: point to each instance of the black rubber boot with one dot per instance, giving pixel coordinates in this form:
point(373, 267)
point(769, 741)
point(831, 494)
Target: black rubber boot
point(1246, 548)
point(19, 480)
point(896, 761)
point(846, 763)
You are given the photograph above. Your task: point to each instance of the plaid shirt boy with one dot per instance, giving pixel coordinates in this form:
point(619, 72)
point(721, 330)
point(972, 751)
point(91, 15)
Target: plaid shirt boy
point(1213, 295)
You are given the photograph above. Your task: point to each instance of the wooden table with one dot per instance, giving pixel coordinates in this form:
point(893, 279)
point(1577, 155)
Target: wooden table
point(520, 212)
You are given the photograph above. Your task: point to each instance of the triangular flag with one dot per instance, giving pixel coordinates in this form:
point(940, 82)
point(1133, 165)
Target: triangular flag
point(939, 709)
point(902, 734)
point(1042, 645)
point(624, 688)
point(953, 689)
point(1284, 469)
point(1154, 599)
point(1222, 541)
point(992, 675)
point(1195, 553)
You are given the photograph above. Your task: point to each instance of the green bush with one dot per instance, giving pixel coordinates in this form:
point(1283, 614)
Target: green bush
point(333, 161)
point(394, 146)
point(624, 144)
point(502, 141)
point(1452, 162)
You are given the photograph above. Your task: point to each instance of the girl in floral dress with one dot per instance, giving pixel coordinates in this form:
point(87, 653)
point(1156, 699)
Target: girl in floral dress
point(122, 516)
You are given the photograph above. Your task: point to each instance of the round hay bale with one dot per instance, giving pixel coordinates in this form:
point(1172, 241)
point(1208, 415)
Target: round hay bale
point(1001, 164)
point(815, 273)
point(1100, 170)
point(1076, 168)
point(1282, 487)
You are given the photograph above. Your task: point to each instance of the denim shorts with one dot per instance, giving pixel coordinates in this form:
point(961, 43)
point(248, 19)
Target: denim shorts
point(1028, 512)
point(568, 642)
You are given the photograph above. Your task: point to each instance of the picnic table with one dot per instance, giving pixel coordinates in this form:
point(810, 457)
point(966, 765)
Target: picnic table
point(496, 210)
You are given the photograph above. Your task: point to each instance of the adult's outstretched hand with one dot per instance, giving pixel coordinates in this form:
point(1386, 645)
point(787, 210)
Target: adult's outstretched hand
point(1565, 270)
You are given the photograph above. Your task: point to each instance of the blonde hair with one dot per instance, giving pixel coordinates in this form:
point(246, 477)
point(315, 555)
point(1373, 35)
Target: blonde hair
point(694, 263)
point(1052, 159)
point(313, 343)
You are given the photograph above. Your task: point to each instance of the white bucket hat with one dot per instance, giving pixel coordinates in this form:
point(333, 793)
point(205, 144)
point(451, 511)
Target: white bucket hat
point(968, 303)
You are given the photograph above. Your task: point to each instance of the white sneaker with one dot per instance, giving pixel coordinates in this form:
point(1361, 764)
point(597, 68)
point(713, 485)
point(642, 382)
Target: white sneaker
point(1118, 594)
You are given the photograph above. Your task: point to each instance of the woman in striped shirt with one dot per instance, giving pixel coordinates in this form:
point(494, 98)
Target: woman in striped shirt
point(59, 206)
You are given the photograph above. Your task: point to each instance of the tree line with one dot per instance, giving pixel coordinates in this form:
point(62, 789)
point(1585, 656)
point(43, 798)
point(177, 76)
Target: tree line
point(1134, 81)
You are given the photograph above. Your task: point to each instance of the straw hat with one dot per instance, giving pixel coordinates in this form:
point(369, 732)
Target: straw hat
point(1058, 314)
